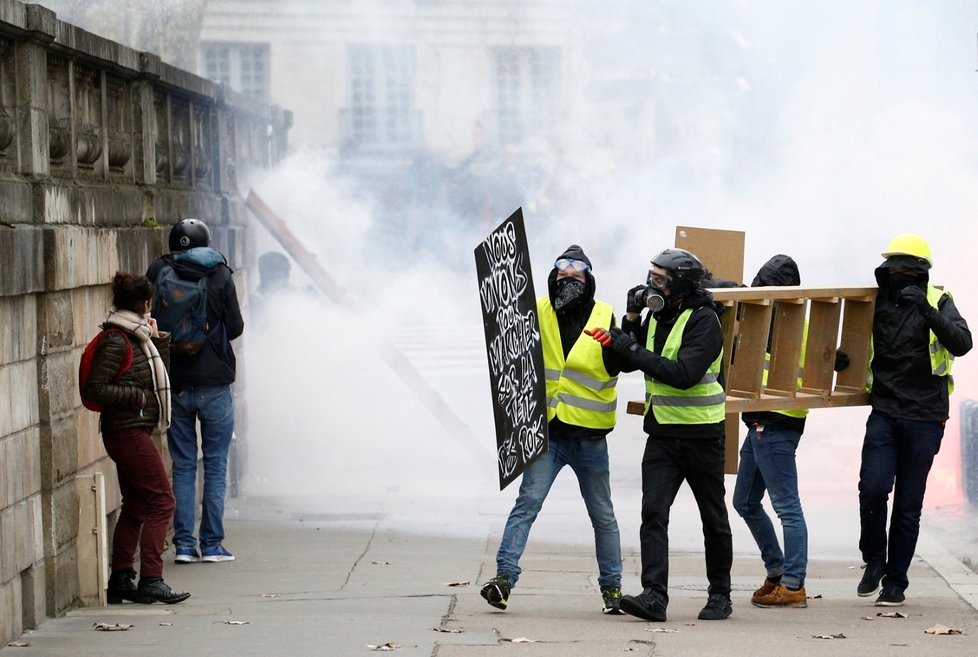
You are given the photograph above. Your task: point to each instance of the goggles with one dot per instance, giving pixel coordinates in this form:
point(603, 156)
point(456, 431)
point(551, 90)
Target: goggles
point(657, 280)
point(570, 265)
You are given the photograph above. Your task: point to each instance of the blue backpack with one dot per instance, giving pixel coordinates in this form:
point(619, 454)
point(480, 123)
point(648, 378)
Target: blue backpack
point(180, 307)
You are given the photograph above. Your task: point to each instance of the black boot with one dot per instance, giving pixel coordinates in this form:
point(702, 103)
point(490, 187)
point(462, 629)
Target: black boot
point(121, 586)
point(154, 589)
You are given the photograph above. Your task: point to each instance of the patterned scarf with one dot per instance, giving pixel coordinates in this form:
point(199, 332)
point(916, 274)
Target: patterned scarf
point(137, 326)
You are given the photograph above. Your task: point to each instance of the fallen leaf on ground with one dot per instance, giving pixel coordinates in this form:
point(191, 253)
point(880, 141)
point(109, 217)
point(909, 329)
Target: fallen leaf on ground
point(942, 629)
point(390, 645)
point(828, 636)
point(381, 563)
point(457, 583)
point(891, 614)
point(869, 617)
point(521, 639)
point(166, 624)
point(447, 630)
point(817, 596)
point(118, 627)
point(19, 644)
point(269, 595)
point(234, 622)
point(663, 630)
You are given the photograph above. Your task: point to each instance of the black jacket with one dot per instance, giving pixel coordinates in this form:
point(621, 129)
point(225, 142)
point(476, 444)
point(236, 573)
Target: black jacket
point(702, 342)
point(903, 385)
point(215, 365)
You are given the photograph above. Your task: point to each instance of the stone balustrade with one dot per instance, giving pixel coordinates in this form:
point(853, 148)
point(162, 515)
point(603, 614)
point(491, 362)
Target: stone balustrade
point(102, 148)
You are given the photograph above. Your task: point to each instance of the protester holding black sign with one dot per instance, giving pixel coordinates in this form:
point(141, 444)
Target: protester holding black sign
point(679, 348)
point(581, 403)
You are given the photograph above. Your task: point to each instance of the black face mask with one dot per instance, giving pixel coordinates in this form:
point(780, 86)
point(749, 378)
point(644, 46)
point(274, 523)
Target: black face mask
point(569, 292)
point(897, 281)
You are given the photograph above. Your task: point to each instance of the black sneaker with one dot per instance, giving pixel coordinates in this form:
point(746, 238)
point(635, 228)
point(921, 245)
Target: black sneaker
point(496, 591)
point(121, 587)
point(890, 596)
point(611, 595)
point(154, 589)
point(717, 607)
point(647, 604)
point(872, 574)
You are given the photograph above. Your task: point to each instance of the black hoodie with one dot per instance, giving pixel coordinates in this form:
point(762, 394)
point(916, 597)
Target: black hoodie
point(780, 270)
point(903, 385)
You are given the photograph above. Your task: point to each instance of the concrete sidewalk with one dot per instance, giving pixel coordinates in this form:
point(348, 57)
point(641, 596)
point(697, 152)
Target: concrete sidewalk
point(312, 583)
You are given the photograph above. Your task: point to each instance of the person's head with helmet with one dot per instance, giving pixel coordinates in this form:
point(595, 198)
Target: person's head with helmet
point(675, 275)
point(907, 264)
point(189, 234)
point(571, 284)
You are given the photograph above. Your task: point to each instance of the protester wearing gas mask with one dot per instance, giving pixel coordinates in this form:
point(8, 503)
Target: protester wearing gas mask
point(679, 348)
point(581, 406)
point(917, 332)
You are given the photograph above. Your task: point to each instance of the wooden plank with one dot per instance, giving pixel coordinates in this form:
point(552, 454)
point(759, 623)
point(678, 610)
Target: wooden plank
point(823, 336)
point(747, 367)
point(786, 341)
point(857, 330)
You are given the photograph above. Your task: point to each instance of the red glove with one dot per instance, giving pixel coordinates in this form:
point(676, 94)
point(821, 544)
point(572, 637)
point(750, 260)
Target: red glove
point(600, 335)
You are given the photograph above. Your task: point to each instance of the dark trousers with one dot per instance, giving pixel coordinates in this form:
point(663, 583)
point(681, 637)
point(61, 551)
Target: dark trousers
point(665, 465)
point(147, 501)
point(897, 456)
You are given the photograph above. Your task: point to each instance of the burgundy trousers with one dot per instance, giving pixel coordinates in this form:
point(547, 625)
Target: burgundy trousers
point(147, 500)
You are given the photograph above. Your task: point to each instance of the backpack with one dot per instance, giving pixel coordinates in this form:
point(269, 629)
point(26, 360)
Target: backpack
point(180, 307)
point(85, 366)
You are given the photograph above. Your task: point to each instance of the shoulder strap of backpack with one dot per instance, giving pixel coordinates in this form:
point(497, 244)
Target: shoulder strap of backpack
point(127, 356)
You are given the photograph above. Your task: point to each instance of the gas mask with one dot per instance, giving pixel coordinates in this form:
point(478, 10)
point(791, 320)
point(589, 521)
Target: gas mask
point(653, 298)
point(569, 293)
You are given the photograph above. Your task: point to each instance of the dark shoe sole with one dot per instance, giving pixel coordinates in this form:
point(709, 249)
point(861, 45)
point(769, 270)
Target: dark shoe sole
point(793, 605)
point(611, 611)
point(148, 599)
point(711, 617)
point(632, 608)
point(119, 599)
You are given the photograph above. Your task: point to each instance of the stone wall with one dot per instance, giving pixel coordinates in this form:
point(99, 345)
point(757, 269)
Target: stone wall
point(102, 148)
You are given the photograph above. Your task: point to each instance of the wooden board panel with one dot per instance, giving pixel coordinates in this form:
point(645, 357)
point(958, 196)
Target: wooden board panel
point(823, 336)
point(857, 330)
point(721, 251)
point(747, 367)
point(786, 342)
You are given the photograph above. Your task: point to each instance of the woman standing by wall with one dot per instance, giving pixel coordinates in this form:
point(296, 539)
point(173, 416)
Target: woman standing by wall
point(128, 378)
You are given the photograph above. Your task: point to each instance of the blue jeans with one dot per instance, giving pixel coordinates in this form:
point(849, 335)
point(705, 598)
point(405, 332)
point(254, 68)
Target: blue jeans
point(900, 452)
point(589, 461)
point(215, 409)
point(767, 463)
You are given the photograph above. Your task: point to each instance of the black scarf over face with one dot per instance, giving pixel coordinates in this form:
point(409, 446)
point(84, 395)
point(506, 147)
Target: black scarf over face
point(575, 307)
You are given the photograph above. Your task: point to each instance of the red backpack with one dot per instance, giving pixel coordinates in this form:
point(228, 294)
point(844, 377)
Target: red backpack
point(85, 367)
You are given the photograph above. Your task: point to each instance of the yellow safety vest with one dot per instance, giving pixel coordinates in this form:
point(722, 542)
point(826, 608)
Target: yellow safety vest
point(579, 390)
point(941, 360)
point(704, 403)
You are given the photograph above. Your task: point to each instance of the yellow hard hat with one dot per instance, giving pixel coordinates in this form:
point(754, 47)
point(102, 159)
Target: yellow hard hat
point(909, 244)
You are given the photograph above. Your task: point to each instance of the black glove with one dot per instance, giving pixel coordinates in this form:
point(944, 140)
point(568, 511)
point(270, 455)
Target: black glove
point(915, 297)
point(841, 360)
point(623, 343)
point(635, 303)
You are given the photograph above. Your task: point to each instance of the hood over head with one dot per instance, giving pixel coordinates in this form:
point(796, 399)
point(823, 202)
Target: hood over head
point(780, 270)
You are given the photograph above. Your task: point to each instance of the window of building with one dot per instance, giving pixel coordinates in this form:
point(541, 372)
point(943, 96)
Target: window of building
point(527, 82)
point(241, 66)
point(380, 109)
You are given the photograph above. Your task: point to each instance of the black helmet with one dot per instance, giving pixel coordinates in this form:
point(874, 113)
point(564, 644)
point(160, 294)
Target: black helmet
point(189, 234)
point(681, 263)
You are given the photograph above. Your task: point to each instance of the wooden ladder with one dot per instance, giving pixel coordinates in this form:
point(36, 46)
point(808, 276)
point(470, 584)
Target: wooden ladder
point(747, 330)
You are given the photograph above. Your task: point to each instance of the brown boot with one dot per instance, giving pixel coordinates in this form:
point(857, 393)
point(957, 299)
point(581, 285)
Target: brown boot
point(767, 588)
point(781, 596)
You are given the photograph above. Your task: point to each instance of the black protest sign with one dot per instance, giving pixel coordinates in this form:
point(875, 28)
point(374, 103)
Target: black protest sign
point(516, 377)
